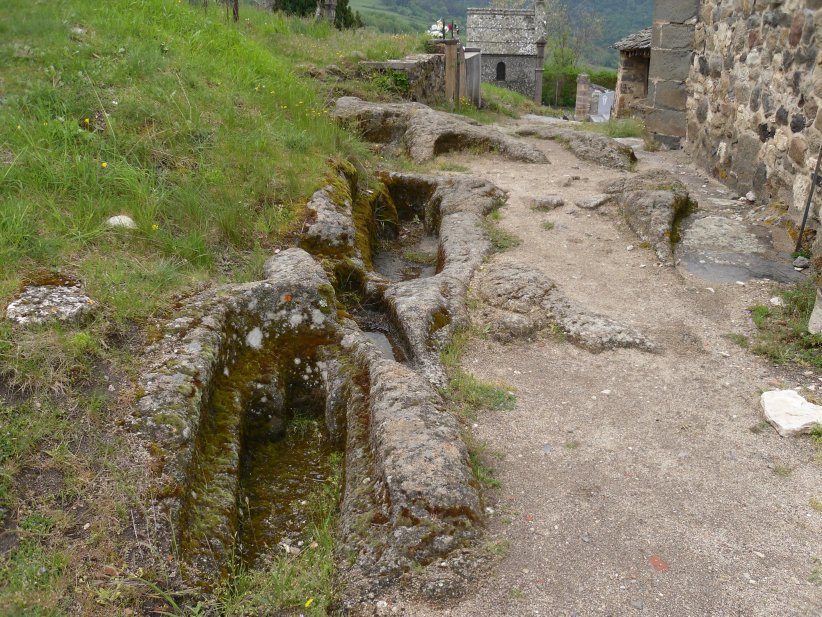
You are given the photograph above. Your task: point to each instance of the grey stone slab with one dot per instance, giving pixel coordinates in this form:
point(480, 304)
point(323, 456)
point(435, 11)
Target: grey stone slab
point(678, 11)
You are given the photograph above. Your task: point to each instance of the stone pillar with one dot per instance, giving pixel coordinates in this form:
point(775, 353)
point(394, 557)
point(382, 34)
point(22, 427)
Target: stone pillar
point(451, 70)
point(539, 69)
point(583, 106)
point(473, 75)
point(815, 324)
point(672, 51)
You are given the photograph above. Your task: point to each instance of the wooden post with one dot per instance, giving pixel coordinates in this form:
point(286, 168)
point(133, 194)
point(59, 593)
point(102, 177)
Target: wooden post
point(451, 70)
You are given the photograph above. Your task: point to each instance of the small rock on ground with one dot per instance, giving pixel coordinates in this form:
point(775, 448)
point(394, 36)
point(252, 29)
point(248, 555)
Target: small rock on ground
point(122, 220)
point(790, 413)
point(801, 262)
point(39, 304)
point(548, 203)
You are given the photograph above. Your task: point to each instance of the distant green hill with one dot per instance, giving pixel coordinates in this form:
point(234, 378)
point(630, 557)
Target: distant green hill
point(621, 17)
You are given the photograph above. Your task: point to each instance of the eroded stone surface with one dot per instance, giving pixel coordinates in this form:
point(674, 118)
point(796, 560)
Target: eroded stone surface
point(648, 180)
point(523, 301)
point(548, 203)
point(653, 203)
point(594, 202)
point(400, 441)
point(424, 132)
point(429, 309)
point(330, 227)
point(789, 412)
point(40, 304)
point(591, 147)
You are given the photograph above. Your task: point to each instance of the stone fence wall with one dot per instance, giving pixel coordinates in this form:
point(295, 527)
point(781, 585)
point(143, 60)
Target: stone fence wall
point(755, 92)
point(425, 74)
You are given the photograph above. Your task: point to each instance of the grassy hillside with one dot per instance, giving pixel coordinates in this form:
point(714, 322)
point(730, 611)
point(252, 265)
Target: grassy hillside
point(202, 132)
point(207, 135)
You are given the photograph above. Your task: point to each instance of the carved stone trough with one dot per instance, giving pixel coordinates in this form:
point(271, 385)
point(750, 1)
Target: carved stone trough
point(240, 365)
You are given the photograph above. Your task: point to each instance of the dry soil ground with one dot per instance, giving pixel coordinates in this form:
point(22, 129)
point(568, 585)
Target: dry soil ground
point(632, 483)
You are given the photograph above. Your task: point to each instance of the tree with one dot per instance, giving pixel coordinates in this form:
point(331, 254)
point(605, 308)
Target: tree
point(345, 18)
point(303, 8)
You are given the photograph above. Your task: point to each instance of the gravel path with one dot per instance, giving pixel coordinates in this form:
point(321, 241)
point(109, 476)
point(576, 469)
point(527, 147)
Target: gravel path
point(632, 483)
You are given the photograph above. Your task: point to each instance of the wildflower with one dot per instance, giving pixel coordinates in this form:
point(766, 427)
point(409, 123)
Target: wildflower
point(309, 603)
point(86, 121)
point(155, 227)
point(19, 127)
point(103, 164)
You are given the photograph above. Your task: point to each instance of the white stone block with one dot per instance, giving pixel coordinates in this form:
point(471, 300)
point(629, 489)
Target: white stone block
point(121, 220)
point(789, 412)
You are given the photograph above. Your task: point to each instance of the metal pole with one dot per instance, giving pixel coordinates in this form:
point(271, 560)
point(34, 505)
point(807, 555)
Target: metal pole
point(808, 204)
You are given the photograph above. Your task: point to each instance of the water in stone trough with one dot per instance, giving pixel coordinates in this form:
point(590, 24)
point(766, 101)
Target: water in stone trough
point(375, 322)
point(412, 255)
point(262, 450)
point(279, 476)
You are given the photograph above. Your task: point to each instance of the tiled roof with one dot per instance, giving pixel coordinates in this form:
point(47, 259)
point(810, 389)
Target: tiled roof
point(636, 41)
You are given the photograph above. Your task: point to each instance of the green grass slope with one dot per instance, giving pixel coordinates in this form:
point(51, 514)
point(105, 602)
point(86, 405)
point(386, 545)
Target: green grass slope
point(201, 131)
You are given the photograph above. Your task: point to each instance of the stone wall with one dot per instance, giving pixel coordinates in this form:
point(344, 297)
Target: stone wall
point(519, 72)
point(425, 73)
point(632, 85)
point(755, 90)
point(503, 31)
point(672, 45)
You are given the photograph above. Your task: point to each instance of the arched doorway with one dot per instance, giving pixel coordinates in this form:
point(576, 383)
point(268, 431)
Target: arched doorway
point(500, 71)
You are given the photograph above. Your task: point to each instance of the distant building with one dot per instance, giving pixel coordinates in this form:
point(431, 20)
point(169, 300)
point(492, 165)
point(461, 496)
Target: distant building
point(326, 9)
point(634, 64)
point(512, 42)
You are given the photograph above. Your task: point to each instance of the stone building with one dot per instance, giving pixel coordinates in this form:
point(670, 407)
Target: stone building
point(634, 63)
point(512, 42)
point(326, 9)
point(741, 82)
point(739, 85)
point(754, 104)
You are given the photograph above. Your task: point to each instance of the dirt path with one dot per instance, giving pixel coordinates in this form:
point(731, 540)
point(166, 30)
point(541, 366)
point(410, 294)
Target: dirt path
point(632, 483)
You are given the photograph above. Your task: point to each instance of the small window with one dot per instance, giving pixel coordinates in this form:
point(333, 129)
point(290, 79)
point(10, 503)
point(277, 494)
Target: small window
point(501, 71)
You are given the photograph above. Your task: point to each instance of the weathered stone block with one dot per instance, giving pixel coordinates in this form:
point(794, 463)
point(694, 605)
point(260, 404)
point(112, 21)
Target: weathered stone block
point(678, 11)
point(671, 65)
point(670, 95)
point(666, 122)
point(674, 36)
